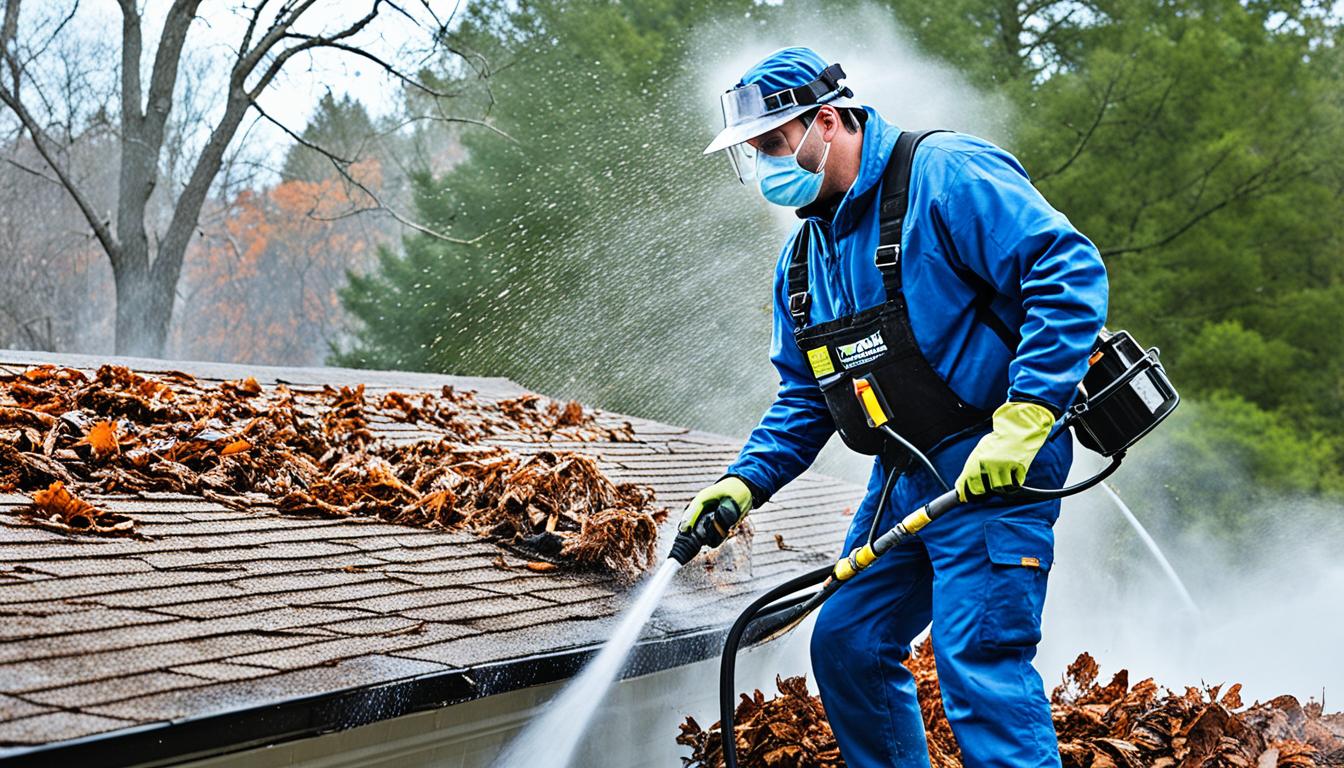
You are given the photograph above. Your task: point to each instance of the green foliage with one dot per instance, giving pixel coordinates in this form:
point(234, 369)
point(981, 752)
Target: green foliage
point(338, 126)
point(1223, 461)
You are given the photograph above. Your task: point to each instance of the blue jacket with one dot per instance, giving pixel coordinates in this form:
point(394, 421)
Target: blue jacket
point(972, 206)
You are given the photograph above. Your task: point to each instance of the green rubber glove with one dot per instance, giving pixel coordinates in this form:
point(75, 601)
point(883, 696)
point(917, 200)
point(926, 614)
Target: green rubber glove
point(727, 488)
point(1001, 459)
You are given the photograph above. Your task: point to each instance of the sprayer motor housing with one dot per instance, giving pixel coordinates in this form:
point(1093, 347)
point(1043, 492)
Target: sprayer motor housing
point(1125, 394)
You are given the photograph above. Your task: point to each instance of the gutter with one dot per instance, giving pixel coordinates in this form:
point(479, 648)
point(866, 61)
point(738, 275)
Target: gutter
point(195, 738)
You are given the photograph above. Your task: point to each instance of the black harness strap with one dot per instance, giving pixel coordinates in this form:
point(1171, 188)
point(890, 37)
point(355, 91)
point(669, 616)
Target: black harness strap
point(796, 277)
point(827, 82)
point(895, 205)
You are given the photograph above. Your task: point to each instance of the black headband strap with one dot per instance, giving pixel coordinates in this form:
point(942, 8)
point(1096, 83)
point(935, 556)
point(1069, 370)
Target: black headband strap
point(826, 83)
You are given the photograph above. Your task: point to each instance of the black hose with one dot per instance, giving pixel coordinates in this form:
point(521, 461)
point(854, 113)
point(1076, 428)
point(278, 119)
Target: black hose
point(728, 664)
point(892, 474)
point(923, 457)
point(1047, 494)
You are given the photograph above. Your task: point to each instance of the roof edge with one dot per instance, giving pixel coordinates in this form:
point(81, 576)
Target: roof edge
point(221, 733)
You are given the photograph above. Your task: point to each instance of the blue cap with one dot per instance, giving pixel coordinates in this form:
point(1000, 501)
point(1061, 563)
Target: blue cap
point(784, 69)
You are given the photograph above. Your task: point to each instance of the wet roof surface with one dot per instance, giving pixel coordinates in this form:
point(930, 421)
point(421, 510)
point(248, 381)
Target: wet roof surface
point(222, 610)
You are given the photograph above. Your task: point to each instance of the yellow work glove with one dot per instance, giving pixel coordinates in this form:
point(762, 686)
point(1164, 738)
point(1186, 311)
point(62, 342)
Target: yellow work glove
point(727, 488)
point(1001, 459)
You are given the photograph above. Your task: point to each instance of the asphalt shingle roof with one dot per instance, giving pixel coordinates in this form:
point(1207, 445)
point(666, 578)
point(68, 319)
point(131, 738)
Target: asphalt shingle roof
point(223, 609)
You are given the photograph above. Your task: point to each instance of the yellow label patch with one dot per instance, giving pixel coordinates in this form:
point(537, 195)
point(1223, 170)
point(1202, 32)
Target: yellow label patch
point(1031, 562)
point(821, 363)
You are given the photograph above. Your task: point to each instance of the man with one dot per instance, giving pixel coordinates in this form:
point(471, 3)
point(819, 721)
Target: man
point(974, 316)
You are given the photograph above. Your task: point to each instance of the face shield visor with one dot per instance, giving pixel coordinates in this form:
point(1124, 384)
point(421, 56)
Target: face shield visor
point(748, 113)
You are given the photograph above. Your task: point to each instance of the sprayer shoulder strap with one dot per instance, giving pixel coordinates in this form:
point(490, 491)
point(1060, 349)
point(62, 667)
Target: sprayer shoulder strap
point(893, 206)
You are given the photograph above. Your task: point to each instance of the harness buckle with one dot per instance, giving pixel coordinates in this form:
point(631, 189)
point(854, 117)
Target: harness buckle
point(799, 302)
point(887, 255)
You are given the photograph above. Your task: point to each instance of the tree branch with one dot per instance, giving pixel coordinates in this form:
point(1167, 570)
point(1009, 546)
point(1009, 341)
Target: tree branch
point(1245, 189)
point(33, 171)
point(248, 60)
point(405, 79)
point(101, 229)
point(9, 31)
point(309, 43)
point(188, 208)
point(131, 44)
point(1091, 129)
point(163, 76)
point(342, 167)
point(251, 28)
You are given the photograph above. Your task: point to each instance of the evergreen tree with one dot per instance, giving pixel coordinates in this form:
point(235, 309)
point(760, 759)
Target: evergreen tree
point(600, 238)
point(339, 126)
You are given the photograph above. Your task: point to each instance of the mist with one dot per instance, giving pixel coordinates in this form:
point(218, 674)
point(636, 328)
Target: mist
point(1269, 603)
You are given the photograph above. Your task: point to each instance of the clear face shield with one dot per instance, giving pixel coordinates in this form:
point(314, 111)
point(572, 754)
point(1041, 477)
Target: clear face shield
point(746, 115)
point(743, 159)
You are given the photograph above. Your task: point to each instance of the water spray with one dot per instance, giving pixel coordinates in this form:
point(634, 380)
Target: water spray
point(1153, 549)
point(1123, 397)
point(553, 738)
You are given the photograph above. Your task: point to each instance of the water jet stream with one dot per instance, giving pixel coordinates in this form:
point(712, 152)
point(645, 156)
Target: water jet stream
point(1156, 551)
point(552, 738)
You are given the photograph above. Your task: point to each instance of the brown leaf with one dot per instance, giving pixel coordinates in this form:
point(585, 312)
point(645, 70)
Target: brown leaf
point(56, 507)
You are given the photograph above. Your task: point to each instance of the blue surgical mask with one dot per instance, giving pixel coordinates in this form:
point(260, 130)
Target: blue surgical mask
point(784, 182)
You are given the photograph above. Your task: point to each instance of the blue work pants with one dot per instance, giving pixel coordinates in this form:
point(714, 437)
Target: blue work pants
point(979, 575)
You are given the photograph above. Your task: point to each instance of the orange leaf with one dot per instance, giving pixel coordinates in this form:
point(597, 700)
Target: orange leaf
point(539, 566)
point(56, 501)
point(102, 440)
point(237, 446)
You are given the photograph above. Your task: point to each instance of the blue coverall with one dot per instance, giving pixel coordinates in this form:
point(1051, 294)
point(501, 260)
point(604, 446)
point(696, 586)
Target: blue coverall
point(979, 573)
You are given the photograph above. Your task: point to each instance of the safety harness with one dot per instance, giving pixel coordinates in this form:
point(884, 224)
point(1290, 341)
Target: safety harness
point(869, 362)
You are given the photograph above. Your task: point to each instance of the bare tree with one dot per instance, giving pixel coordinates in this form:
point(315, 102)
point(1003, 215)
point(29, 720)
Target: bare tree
point(145, 254)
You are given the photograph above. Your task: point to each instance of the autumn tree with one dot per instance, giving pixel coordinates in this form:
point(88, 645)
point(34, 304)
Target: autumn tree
point(234, 306)
point(42, 76)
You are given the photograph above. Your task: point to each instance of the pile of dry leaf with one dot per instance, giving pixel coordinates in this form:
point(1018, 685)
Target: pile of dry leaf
point(313, 452)
point(1110, 726)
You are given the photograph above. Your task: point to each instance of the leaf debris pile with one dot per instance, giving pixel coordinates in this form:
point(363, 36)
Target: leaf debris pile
point(788, 731)
point(1119, 725)
point(1099, 726)
point(314, 452)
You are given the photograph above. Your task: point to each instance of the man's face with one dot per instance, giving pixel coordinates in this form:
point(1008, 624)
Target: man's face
point(784, 140)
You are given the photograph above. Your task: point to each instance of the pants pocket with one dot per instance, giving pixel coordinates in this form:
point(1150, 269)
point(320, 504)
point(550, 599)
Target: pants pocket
point(1020, 555)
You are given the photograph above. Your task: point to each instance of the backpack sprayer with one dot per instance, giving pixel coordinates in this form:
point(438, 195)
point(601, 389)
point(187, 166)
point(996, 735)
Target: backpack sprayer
point(1124, 396)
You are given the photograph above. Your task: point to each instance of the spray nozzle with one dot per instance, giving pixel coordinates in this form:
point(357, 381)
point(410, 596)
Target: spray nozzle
point(710, 530)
